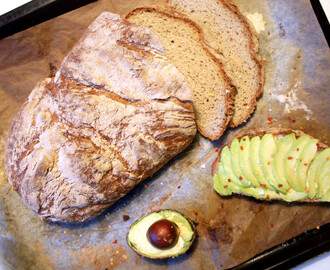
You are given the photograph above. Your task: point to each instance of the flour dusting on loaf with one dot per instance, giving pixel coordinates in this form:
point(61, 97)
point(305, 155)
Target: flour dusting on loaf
point(114, 114)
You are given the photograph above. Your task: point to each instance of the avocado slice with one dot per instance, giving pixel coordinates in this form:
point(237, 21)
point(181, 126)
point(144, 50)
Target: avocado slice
point(235, 162)
point(221, 182)
point(137, 236)
point(307, 155)
point(262, 193)
point(255, 163)
point(322, 179)
point(266, 152)
point(281, 148)
point(227, 165)
point(311, 182)
point(290, 161)
point(244, 161)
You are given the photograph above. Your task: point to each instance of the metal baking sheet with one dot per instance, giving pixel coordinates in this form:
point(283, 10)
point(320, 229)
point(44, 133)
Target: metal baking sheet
point(230, 230)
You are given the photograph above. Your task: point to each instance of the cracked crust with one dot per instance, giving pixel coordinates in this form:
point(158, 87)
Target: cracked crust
point(114, 114)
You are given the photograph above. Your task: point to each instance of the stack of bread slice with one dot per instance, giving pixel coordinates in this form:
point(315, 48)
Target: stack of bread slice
point(216, 49)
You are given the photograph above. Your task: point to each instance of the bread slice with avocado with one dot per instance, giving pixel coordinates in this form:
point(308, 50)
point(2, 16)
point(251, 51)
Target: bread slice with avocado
point(279, 164)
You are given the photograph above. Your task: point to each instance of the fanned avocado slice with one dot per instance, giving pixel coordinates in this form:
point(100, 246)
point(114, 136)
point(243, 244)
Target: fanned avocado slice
point(254, 162)
point(290, 161)
point(293, 195)
point(221, 182)
point(311, 182)
point(244, 161)
point(307, 155)
point(266, 152)
point(282, 147)
point(226, 161)
point(235, 162)
point(326, 191)
point(323, 183)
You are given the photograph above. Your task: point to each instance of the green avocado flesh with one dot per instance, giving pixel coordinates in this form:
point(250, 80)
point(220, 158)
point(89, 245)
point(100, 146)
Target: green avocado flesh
point(137, 236)
point(274, 167)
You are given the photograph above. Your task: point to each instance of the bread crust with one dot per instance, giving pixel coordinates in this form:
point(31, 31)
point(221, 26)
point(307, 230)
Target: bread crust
point(231, 90)
point(114, 114)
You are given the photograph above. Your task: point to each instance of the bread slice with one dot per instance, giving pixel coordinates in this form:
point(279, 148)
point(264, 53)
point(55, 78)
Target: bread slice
point(285, 189)
point(185, 48)
point(229, 35)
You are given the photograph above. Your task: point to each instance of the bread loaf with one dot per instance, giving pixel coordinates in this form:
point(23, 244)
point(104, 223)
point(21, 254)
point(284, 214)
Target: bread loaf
point(184, 46)
point(231, 38)
point(114, 114)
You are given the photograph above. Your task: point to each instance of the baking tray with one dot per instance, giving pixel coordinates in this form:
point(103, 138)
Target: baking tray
point(287, 254)
point(35, 12)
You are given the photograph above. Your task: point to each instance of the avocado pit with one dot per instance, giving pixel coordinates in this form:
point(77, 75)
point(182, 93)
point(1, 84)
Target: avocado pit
point(163, 234)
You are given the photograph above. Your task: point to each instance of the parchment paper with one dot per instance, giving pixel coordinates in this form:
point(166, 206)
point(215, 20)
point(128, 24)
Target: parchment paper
point(230, 230)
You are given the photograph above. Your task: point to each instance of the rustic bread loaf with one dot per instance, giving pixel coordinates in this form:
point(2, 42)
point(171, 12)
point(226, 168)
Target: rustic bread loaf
point(229, 36)
point(114, 114)
point(184, 46)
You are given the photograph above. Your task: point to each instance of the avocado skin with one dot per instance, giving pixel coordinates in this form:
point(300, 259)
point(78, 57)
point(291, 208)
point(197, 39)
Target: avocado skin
point(177, 216)
point(311, 170)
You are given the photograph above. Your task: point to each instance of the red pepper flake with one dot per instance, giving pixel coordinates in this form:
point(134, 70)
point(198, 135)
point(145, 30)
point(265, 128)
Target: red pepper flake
point(115, 242)
point(317, 227)
point(150, 209)
point(280, 185)
point(268, 163)
point(328, 158)
point(306, 189)
point(195, 213)
point(268, 34)
point(240, 178)
point(270, 93)
point(231, 39)
point(297, 149)
point(294, 68)
point(222, 144)
point(317, 144)
point(267, 197)
point(126, 217)
point(229, 180)
point(146, 186)
point(301, 128)
point(298, 56)
point(216, 150)
point(272, 225)
point(236, 135)
point(244, 139)
point(287, 95)
point(225, 186)
point(179, 187)
point(262, 185)
point(293, 121)
point(305, 164)
point(277, 192)
point(198, 144)
point(242, 148)
point(270, 118)
point(289, 157)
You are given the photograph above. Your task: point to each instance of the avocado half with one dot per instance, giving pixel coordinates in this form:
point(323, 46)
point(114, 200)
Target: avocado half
point(137, 236)
point(290, 167)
